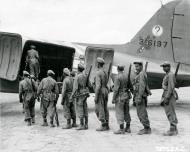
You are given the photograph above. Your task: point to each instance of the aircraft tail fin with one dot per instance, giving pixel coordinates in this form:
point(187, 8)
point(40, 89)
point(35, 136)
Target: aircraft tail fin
point(157, 38)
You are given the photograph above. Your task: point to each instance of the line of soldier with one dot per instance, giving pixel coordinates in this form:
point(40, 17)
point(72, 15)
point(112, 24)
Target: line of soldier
point(75, 93)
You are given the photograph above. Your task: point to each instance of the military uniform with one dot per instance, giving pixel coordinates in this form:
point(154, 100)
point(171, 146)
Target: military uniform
point(27, 94)
point(101, 97)
point(169, 97)
point(140, 95)
point(68, 105)
point(80, 94)
point(121, 97)
point(49, 90)
point(33, 61)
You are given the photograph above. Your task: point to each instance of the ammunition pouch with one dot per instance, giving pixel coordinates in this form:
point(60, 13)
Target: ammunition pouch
point(82, 92)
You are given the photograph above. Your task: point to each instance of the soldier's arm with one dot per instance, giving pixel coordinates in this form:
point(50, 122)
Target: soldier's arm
point(116, 88)
point(27, 57)
point(37, 55)
point(171, 85)
point(97, 86)
point(142, 85)
point(64, 87)
point(20, 92)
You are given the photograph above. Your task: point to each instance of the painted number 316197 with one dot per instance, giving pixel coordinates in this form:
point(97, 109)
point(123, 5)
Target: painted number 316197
point(152, 43)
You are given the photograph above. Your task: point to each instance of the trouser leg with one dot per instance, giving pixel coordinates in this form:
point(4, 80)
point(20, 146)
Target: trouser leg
point(119, 112)
point(66, 110)
point(51, 108)
point(142, 114)
point(81, 108)
point(170, 112)
point(43, 107)
point(27, 110)
point(127, 115)
point(32, 110)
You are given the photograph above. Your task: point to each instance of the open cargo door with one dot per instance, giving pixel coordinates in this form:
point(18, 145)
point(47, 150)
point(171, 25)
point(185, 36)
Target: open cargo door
point(91, 55)
point(181, 33)
point(10, 55)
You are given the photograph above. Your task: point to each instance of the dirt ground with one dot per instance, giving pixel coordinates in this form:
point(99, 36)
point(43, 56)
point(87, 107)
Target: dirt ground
point(16, 136)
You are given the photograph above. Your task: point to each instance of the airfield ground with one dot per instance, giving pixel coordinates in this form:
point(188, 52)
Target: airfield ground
point(16, 136)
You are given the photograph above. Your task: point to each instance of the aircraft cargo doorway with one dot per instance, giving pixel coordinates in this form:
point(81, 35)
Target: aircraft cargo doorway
point(52, 56)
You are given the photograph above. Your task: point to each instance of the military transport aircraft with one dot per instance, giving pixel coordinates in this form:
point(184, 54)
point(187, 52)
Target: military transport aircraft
point(166, 36)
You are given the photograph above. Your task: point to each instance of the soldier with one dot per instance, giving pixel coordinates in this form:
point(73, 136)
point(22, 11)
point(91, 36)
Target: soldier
point(140, 95)
point(80, 94)
point(121, 98)
point(48, 88)
point(32, 60)
point(101, 96)
point(35, 87)
point(169, 97)
point(72, 76)
point(27, 89)
point(68, 105)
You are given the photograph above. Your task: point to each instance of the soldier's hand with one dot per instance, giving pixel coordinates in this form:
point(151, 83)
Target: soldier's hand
point(113, 101)
point(62, 102)
point(166, 101)
point(150, 93)
point(162, 104)
point(95, 100)
point(20, 99)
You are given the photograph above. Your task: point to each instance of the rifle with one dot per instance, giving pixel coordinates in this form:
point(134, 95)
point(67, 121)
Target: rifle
point(129, 77)
point(88, 76)
point(176, 71)
point(109, 70)
point(26, 65)
point(146, 65)
point(147, 87)
point(129, 85)
point(56, 117)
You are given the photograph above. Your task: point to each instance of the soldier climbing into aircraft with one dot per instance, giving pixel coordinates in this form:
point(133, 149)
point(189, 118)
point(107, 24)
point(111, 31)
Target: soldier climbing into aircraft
point(32, 61)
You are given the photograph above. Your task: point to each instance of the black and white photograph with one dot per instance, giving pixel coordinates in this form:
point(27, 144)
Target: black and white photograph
point(95, 75)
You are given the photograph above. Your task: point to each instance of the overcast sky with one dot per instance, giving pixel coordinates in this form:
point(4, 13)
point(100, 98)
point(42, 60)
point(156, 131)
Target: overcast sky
point(92, 21)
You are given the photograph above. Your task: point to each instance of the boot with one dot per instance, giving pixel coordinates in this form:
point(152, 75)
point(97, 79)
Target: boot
point(103, 127)
point(107, 125)
point(33, 120)
point(74, 123)
point(68, 126)
point(81, 127)
point(45, 122)
point(172, 131)
point(51, 124)
point(127, 128)
point(86, 123)
point(146, 130)
point(29, 122)
point(121, 130)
